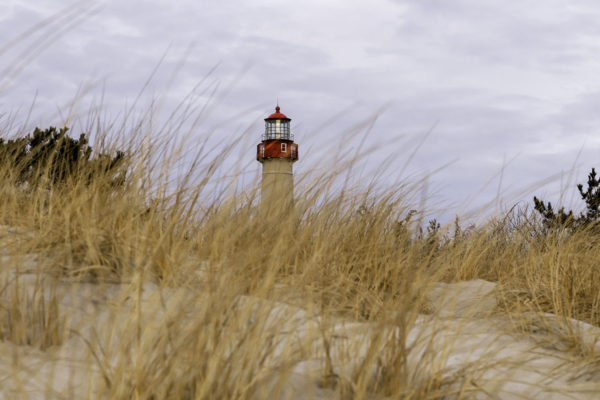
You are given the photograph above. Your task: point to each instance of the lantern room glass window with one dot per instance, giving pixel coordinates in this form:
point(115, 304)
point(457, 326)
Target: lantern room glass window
point(277, 129)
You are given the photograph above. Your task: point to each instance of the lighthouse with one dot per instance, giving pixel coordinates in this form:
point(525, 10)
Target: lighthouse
point(277, 152)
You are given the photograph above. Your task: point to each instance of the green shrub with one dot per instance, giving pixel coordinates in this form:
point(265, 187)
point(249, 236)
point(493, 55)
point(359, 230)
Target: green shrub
point(50, 157)
point(591, 196)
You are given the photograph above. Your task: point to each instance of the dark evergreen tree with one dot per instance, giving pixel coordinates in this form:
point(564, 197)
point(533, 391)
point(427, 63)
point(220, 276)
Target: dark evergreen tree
point(591, 196)
point(551, 218)
point(53, 154)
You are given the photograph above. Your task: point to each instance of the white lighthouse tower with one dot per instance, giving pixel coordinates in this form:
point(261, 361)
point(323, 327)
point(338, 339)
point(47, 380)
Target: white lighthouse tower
point(277, 152)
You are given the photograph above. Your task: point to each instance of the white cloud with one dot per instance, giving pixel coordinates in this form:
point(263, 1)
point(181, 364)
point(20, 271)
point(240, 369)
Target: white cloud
point(502, 78)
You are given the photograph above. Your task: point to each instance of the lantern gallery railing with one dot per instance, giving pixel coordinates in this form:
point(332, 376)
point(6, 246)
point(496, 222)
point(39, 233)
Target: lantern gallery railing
point(277, 135)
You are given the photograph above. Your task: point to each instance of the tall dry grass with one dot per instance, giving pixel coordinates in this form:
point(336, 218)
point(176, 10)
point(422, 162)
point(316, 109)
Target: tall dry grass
point(355, 257)
point(193, 292)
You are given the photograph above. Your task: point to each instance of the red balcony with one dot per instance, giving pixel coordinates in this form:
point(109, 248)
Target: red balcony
point(277, 149)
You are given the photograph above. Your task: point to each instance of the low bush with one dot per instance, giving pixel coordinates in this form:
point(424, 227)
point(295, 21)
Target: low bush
point(50, 157)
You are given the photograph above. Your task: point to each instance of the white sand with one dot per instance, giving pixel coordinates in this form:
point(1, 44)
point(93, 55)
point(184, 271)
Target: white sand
point(461, 336)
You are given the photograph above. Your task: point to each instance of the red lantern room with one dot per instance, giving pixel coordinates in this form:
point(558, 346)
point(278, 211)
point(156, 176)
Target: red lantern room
point(277, 140)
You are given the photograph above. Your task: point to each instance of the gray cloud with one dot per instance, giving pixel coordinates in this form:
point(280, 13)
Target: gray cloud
point(503, 81)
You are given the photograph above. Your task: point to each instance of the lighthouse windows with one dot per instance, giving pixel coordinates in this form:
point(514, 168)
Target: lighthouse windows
point(285, 130)
point(284, 147)
point(277, 129)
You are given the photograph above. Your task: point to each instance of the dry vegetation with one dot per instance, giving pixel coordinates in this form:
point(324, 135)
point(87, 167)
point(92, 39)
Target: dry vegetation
point(170, 286)
point(201, 290)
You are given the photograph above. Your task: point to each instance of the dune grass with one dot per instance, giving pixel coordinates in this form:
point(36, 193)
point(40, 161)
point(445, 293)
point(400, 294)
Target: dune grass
point(223, 273)
point(173, 286)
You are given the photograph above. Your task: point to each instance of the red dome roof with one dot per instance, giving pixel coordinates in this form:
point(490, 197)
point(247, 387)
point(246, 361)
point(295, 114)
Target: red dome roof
point(277, 115)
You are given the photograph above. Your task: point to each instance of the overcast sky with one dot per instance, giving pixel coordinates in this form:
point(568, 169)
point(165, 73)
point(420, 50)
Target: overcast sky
point(507, 93)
